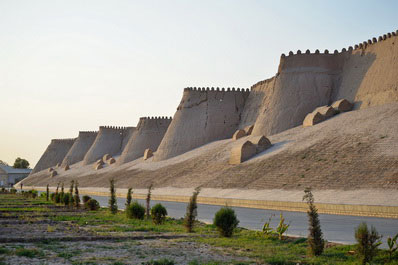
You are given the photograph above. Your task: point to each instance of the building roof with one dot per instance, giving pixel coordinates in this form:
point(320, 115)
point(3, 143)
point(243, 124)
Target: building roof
point(11, 170)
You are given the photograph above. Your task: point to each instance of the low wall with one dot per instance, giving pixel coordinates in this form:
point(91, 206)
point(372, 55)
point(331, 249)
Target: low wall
point(324, 208)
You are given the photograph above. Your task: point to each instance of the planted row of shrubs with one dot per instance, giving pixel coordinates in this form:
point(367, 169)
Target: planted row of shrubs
point(71, 198)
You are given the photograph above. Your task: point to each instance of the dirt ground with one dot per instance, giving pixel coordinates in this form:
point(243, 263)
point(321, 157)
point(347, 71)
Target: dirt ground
point(34, 234)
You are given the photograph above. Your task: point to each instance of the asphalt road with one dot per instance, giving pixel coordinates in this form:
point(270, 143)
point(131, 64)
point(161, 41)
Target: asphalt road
point(336, 228)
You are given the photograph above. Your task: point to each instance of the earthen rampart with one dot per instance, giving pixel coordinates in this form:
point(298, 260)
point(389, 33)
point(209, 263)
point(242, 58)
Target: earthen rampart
point(203, 115)
point(54, 154)
point(148, 135)
point(80, 147)
point(108, 141)
point(366, 74)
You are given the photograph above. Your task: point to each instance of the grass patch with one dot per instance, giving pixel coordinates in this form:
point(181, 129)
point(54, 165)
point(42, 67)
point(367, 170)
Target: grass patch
point(29, 253)
point(4, 251)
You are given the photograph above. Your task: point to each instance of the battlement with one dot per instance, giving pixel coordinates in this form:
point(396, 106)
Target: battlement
point(115, 127)
point(216, 89)
point(156, 118)
point(88, 132)
point(358, 46)
point(65, 140)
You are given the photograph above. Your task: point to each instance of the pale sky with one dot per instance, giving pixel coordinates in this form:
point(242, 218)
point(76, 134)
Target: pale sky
point(74, 65)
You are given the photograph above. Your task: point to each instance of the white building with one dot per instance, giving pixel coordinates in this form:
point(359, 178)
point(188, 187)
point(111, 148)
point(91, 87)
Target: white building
point(9, 175)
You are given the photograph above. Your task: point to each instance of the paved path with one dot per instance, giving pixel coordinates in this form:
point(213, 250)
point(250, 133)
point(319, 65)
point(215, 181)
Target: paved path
point(336, 228)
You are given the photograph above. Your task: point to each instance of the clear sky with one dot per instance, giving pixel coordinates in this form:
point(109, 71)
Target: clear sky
point(74, 65)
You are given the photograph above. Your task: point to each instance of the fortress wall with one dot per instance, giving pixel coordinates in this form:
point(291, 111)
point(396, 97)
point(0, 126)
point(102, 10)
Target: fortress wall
point(54, 154)
point(203, 116)
point(80, 147)
point(370, 73)
point(127, 134)
point(149, 134)
point(253, 106)
point(304, 82)
point(108, 141)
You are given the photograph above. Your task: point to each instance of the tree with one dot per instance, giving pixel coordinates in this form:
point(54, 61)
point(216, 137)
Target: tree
point(129, 197)
point(148, 201)
point(368, 242)
point(112, 199)
point(77, 197)
point(315, 238)
point(71, 201)
point(48, 193)
point(62, 192)
point(3, 163)
point(21, 163)
point(192, 211)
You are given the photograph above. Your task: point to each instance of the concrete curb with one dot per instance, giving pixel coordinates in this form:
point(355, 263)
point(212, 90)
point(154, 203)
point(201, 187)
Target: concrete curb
point(324, 208)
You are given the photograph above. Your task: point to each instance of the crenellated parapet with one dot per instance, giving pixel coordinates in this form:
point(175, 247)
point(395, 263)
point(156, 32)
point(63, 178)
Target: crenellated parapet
point(115, 127)
point(358, 46)
point(87, 132)
point(217, 89)
point(156, 118)
point(65, 140)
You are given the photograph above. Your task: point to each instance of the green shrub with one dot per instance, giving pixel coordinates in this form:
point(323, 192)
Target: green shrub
point(52, 196)
point(92, 205)
point(86, 198)
point(226, 221)
point(34, 193)
point(392, 245)
point(13, 190)
point(282, 227)
point(66, 199)
point(57, 198)
point(136, 211)
point(158, 213)
point(368, 242)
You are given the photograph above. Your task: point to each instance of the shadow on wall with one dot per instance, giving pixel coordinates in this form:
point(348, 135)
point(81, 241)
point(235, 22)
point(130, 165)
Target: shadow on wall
point(355, 69)
point(307, 82)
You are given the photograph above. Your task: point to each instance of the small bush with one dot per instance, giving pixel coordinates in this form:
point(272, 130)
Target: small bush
point(92, 205)
point(34, 193)
point(158, 213)
point(226, 221)
point(13, 190)
point(57, 198)
point(86, 198)
point(66, 199)
point(368, 242)
point(52, 196)
point(136, 211)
